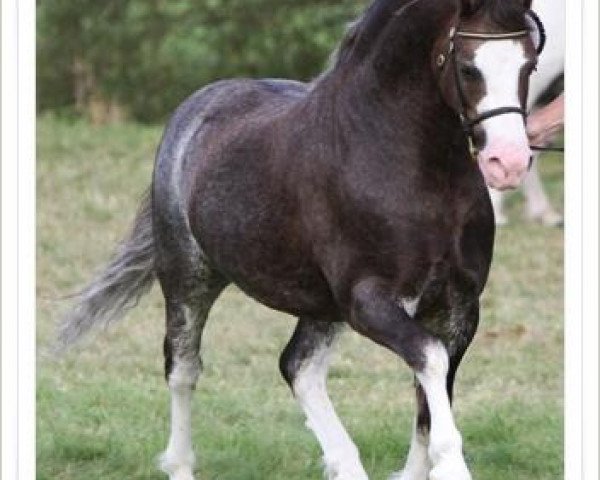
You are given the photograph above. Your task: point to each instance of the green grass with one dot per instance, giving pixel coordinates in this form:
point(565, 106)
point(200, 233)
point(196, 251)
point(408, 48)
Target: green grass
point(102, 410)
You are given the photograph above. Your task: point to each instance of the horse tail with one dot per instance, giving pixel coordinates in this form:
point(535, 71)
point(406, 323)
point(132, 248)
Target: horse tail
point(119, 287)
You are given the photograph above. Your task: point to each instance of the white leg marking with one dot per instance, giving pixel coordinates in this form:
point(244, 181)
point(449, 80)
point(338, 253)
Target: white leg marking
point(445, 442)
point(417, 465)
point(178, 459)
point(342, 461)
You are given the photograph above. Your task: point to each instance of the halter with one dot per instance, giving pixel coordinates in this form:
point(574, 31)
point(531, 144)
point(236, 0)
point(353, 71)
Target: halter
point(466, 122)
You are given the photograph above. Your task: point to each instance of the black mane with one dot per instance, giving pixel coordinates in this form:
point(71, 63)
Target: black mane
point(366, 28)
point(365, 31)
point(506, 15)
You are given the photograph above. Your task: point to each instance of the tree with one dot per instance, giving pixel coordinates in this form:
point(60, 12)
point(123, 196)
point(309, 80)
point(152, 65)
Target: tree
point(145, 56)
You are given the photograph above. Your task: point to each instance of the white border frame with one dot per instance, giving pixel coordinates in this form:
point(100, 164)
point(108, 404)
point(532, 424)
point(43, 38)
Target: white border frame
point(589, 240)
point(573, 258)
point(18, 241)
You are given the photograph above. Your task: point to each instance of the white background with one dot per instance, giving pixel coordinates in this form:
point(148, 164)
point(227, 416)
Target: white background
point(18, 240)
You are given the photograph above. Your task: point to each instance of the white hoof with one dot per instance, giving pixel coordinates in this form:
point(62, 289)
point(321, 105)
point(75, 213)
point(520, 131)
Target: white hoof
point(552, 219)
point(338, 471)
point(177, 469)
point(548, 218)
point(181, 474)
point(404, 475)
point(344, 465)
point(450, 470)
point(346, 475)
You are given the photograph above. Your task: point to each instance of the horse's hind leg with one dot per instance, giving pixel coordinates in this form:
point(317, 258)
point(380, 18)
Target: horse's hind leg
point(304, 364)
point(538, 205)
point(188, 301)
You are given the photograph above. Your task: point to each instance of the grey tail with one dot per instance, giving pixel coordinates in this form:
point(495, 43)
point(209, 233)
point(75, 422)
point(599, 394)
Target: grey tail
point(118, 288)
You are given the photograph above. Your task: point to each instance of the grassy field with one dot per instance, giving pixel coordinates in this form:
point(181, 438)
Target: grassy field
point(102, 410)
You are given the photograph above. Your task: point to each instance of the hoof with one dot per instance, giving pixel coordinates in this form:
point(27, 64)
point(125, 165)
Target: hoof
point(450, 470)
point(552, 219)
point(344, 466)
point(345, 473)
point(404, 475)
point(176, 470)
point(181, 475)
point(548, 218)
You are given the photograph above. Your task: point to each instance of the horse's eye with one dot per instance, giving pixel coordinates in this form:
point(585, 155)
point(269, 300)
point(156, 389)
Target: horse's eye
point(470, 73)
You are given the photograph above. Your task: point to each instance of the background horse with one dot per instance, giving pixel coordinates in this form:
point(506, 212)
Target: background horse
point(550, 66)
point(354, 199)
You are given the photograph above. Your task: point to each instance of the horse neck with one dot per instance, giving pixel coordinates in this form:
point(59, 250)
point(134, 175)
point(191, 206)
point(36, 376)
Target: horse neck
point(385, 73)
point(397, 113)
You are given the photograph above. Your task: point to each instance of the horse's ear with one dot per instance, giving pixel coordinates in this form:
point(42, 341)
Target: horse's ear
point(469, 7)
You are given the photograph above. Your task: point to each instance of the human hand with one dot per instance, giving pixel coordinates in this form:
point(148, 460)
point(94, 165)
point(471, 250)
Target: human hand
point(545, 123)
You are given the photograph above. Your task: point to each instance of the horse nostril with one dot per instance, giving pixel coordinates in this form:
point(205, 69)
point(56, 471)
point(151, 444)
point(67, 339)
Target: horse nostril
point(495, 161)
point(496, 169)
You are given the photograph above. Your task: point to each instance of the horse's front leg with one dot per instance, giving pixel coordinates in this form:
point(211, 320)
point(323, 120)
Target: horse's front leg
point(304, 364)
point(377, 314)
point(417, 465)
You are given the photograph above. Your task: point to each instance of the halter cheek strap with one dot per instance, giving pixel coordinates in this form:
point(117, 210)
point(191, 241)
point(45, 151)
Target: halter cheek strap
point(541, 31)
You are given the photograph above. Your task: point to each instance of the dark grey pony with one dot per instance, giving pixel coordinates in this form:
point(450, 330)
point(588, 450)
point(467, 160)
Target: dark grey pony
point(356, 199)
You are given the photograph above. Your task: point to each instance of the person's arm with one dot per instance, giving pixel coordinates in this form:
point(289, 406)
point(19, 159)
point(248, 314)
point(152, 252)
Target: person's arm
point(543, 124)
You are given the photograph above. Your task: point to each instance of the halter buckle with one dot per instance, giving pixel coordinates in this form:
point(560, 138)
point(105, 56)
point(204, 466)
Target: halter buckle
point(472, 148)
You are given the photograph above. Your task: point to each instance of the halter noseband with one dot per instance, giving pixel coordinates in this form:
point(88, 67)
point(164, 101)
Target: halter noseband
point(466, 122)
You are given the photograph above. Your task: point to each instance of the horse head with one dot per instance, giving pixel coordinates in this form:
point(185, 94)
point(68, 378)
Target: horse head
point(483, 61)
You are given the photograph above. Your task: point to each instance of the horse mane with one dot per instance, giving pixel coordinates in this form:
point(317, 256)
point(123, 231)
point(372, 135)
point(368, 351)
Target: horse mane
point(362, 32)
point(504, 14)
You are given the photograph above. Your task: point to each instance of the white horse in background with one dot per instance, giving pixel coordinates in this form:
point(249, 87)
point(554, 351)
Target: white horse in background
point(550, 66)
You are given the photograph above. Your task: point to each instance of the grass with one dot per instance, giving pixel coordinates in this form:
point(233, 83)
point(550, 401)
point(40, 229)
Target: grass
point(102, 410)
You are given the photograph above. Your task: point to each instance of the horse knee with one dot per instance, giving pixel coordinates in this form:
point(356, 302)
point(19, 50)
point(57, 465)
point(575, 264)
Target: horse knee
point(304, 369)
point(376, 312)
point(305, 359)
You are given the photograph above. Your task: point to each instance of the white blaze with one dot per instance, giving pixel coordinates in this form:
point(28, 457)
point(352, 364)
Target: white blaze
point(500, 63)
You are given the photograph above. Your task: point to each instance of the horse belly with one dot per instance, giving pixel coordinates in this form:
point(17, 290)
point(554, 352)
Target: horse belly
point(248, 232)
point(270, 272)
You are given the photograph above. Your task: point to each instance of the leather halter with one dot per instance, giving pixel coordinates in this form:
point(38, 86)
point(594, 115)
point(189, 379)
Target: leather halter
point(469, 123)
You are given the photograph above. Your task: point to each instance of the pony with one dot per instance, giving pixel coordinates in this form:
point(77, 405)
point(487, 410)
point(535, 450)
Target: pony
point(356, 199)
point(550, 66)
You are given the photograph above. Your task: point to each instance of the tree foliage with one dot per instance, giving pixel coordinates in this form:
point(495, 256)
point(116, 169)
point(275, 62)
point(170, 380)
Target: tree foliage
point(147, 55)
